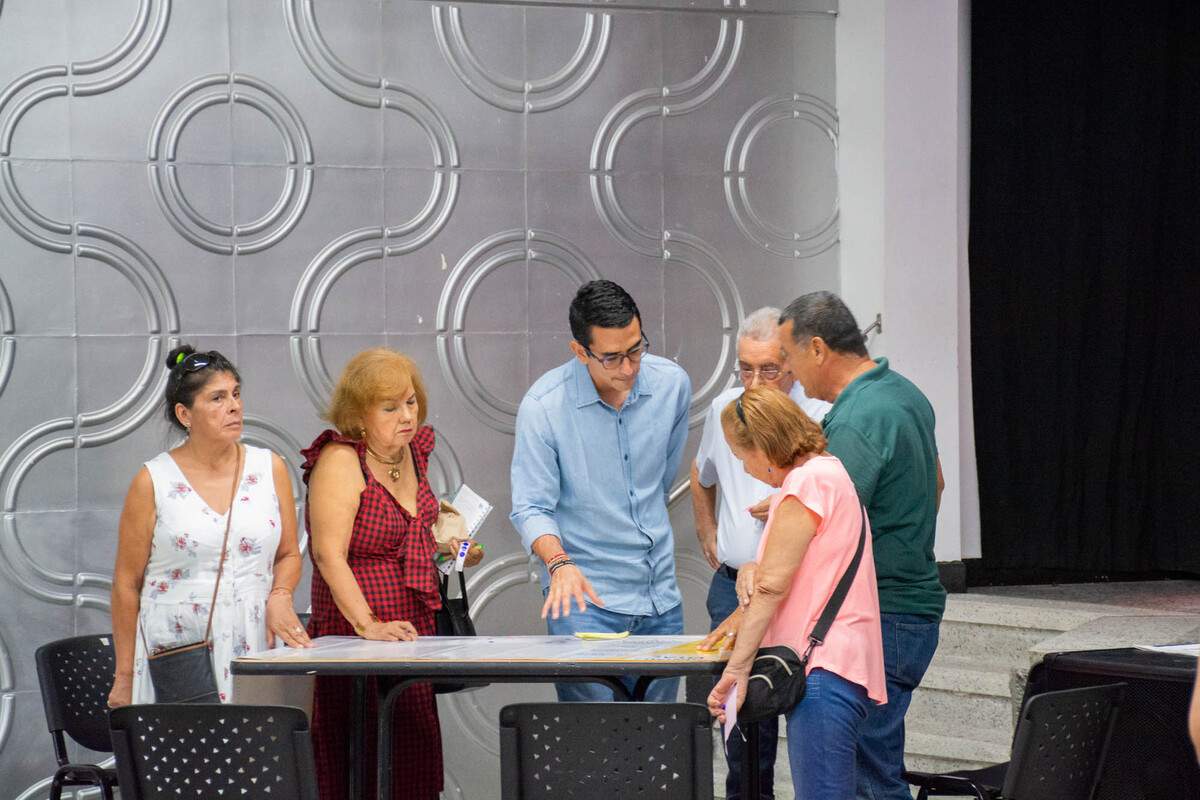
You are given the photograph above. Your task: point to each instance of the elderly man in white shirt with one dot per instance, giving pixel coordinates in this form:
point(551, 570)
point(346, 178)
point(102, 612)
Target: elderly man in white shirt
point(730, 506)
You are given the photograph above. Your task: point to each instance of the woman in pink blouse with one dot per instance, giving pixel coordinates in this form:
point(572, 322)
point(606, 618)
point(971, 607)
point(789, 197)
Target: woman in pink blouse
point(810, 538)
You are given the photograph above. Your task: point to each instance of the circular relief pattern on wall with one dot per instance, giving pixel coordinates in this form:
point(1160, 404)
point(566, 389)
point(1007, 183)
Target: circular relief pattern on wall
point(506, 247)
point(765, 113)
point(163, 149)
point(7, 694)
point(511, 94)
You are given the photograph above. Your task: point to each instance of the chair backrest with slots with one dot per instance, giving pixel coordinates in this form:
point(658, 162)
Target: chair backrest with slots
point(208, 751)
point(75, 676)
point(1060, 743)
point(587, 750)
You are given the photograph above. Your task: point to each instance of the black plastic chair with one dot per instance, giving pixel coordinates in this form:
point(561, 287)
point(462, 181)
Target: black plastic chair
point(605, 750)
point(1057, 754)
point(75, 676)
point(207, 751)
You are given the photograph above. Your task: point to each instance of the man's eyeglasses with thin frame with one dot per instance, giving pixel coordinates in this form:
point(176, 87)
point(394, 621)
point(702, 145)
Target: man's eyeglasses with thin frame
point(612, 361)
point(767, 372)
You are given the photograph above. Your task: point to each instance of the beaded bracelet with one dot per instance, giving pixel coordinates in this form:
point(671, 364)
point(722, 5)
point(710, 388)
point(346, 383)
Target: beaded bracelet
point(565, 562)
point(554, 560)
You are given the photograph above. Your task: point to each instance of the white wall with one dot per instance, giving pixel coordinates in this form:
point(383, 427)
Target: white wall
point(903, 101)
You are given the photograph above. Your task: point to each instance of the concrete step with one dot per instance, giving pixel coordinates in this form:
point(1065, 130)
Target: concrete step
point(961, 692)
point(954, 747)
point(1003, 631)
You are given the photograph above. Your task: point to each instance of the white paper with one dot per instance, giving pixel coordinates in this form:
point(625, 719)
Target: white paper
point(473, 508)
point(731, 705)
point(1192, 650)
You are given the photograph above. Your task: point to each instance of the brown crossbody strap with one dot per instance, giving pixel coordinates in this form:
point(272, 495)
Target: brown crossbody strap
point(237, 475)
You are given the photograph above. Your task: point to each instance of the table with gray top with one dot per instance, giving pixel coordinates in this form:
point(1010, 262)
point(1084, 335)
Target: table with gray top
point(482, 660)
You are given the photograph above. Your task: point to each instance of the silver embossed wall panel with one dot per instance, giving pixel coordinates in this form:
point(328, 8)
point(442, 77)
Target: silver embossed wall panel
point(290, 181)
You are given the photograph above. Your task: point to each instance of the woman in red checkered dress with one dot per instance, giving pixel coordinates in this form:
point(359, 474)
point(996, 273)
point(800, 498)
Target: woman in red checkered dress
point(369, 513)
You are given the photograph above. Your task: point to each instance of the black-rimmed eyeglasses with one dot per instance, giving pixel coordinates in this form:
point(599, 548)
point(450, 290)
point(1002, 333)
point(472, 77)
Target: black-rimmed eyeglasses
point(612, 361)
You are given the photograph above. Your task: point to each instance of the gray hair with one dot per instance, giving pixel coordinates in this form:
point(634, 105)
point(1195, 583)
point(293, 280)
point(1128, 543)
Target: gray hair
point(761, 325)
point(824, 314)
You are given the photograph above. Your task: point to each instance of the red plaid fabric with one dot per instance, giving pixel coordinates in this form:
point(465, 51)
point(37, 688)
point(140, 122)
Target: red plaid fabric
point(391, 556)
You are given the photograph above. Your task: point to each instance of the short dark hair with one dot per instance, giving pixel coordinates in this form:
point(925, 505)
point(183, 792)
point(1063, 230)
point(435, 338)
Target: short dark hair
point(184, 385)
point(601, 304)
point(824, 314)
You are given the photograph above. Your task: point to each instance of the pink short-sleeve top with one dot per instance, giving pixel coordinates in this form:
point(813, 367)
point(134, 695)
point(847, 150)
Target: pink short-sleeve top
point(853, 648)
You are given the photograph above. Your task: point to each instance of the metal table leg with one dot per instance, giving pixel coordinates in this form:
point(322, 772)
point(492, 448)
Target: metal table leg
point(387, 706)
point(751, 780)
point(358, 766)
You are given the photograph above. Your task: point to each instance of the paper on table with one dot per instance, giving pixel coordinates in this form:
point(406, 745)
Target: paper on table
point(731, 705)
point(1173, 649)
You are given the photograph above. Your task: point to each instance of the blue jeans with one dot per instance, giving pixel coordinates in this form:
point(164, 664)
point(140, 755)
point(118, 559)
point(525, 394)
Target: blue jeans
point(722, 601)
point(909, 642)
point(668, 623)
point(823, 732)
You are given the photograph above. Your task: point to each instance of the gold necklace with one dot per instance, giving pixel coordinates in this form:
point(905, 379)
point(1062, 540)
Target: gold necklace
point(394, 472)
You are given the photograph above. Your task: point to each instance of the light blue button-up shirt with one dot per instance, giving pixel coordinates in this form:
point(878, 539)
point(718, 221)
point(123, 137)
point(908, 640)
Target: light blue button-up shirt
point(598, 478)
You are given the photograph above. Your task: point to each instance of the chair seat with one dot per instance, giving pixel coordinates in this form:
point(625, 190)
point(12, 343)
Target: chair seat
point(985, 782)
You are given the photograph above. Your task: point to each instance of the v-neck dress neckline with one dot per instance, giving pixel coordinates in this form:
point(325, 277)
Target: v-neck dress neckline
point(208, 506)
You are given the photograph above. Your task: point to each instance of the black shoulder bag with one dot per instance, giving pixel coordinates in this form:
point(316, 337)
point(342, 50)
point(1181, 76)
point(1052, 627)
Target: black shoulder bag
point(778, 675)
point(184, 674)
point(453, 619)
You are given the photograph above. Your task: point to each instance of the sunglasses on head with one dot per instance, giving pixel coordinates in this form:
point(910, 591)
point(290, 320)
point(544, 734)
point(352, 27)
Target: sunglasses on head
point(193, 362)
point(741, 414)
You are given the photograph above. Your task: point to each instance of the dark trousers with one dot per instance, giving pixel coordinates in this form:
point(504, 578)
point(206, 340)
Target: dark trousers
point(909, 643)
point(722, 601)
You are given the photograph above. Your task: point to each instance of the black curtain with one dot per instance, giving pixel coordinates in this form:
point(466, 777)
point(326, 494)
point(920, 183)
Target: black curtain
point(1085, 284)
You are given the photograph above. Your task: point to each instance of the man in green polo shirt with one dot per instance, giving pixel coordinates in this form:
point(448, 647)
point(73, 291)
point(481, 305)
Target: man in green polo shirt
point(881, 427)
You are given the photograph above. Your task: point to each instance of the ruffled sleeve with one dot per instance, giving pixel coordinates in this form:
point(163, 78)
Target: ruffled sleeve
point(313, 451)
point(422, 445)
point(423, 441)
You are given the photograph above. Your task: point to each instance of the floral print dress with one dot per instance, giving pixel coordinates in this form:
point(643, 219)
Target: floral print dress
point(182, 571)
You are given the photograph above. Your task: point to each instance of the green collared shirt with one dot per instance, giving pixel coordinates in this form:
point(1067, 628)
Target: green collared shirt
point(881, 427)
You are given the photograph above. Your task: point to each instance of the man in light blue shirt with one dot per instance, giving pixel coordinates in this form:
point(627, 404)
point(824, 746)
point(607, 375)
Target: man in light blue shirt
point(598, 442)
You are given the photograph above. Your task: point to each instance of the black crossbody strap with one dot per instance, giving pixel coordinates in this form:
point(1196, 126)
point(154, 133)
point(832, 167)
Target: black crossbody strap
point(462, 588)
point(840, 591)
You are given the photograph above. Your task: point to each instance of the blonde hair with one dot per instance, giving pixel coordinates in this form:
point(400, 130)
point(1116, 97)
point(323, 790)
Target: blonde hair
point(771, 423)
point(369, 377)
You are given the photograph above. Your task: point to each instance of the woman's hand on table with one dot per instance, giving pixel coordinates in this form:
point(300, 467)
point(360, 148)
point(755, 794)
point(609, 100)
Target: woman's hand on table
point(397, 631)
point(720, 693)
point(282, 621)
point(745, 582)
point(725, 634)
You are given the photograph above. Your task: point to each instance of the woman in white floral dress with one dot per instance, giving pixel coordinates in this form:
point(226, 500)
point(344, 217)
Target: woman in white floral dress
point(171, 530)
